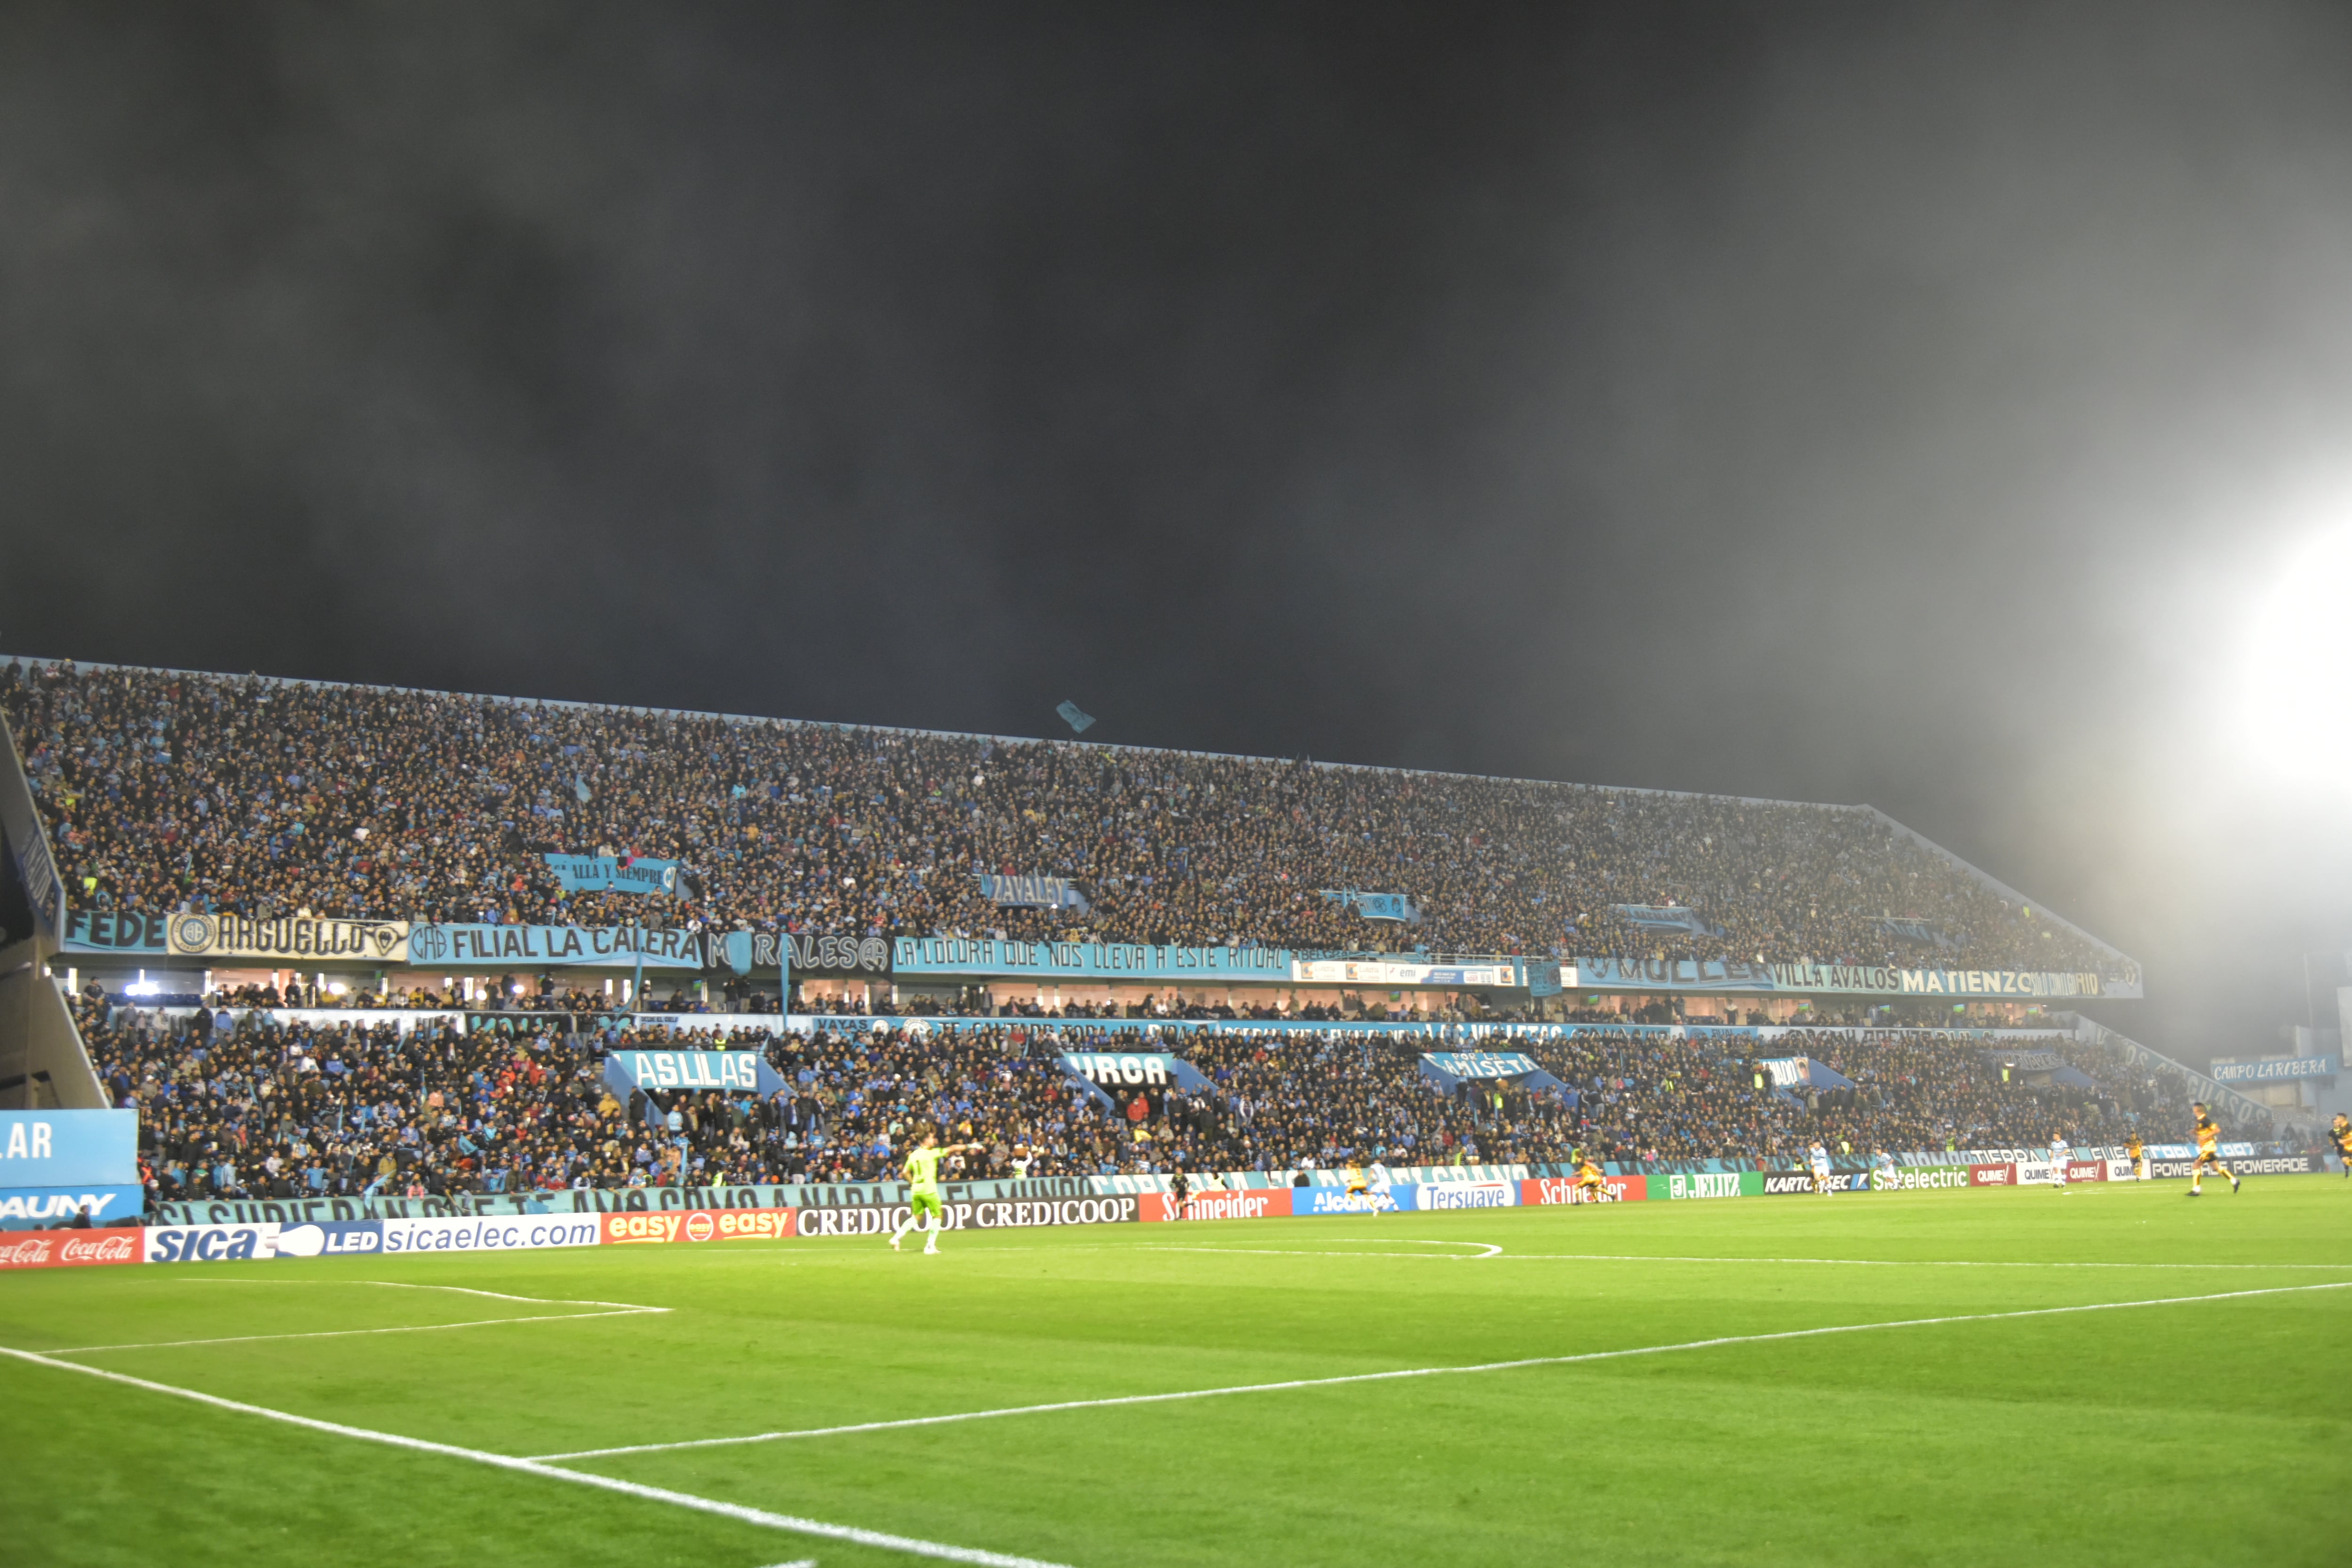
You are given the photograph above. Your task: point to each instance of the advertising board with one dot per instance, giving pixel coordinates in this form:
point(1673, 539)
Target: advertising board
point(2246, 1165)
point(1246, 1202)
point(237, 1243)
point(697, 1225)
point(70, 1248)
point(1914, 1178)
point(35, 1208)
point(68, 1148)
point(994, 1214)
point(1562, 1190)
point(1465, 1195)
point(1992, 1176)
point(1714, 1184)
point(1306, 1201)
point(491, 1233)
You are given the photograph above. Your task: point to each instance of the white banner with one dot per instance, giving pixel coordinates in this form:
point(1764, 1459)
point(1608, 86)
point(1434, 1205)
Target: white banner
point(1367, 972)
point(294, 937)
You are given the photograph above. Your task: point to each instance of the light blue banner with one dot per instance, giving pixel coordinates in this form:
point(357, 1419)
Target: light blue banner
point(608, 947)
point(37, 1208)
point(1855, 979)
point(68, 1148)
point(103, 930)
point(2284, 1071)
point(1033, 892)
point(1374, 906)
point(1450, 1070)
point(1113, 1069)
point(606, 874)
point(1481, 1063)
point(728, 1072)
point(1308, 1201)
point(1663, 917)
point(917, 957)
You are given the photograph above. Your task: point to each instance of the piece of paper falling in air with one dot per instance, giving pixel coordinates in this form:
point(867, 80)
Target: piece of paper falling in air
point(1074, 717)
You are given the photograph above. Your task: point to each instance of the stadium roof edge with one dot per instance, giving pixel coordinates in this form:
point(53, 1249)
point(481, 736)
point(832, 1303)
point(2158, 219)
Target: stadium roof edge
point(1997, 885)
point(2003, 888)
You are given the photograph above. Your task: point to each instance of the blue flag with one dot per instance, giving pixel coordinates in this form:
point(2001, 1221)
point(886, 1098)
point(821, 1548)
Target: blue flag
point(580, 788)
point(1074, 717)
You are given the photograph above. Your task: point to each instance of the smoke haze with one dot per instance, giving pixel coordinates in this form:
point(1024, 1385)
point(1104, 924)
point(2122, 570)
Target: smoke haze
point(1814, 402)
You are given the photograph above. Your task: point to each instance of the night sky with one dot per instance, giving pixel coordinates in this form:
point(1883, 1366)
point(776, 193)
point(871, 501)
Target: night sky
point(1819, 403)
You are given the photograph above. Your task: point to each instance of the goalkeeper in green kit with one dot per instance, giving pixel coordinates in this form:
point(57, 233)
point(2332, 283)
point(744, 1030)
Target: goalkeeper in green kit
point(923, 1178)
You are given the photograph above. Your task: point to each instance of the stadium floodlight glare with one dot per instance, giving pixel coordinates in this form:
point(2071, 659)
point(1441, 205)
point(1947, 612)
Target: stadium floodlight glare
point(2298, 663)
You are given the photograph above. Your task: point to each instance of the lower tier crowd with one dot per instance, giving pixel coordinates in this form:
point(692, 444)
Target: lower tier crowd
point(247, 1107)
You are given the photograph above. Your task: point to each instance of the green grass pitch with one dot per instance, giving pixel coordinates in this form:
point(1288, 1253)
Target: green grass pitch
point(2204, 1431)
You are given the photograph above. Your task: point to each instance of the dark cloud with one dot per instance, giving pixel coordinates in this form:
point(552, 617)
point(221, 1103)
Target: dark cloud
point(1829, 403)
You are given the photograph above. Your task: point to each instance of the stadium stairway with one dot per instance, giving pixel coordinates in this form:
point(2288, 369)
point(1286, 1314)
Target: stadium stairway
point(2123, 1048)
point(44, 1066)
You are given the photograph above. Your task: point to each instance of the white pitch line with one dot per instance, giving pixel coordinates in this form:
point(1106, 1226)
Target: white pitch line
point(1422, 1372)
point(343, 1333)
point(1876, 1262)
point(1304, 1252)
point(410, 1285)
point(738, 1511)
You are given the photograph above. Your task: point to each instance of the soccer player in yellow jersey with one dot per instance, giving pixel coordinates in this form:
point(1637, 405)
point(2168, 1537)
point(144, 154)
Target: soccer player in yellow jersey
point(923, 1183)
point(2209, 1153)
point(2339, 1133)
point(1359, 1184)
point(1591, 1182)
point(2135, 1158)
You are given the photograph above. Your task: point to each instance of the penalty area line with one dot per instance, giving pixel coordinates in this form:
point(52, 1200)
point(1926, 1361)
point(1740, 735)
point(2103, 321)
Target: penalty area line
point(1299, 1383)
point(344, 1333)
point(411, 1285)
point(738, 1511)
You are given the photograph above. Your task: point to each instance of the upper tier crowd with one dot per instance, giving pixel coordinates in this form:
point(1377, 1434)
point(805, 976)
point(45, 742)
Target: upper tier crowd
point(166, 792)
point(245, 1106)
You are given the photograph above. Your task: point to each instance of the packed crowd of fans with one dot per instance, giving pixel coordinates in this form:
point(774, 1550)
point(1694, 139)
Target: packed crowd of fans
point(248, 1106)
point(1932, 1090)
point(166, 792)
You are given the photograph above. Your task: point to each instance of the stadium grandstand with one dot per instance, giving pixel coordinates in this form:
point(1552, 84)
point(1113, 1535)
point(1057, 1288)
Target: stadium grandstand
point(347, 942)
point(164, 792)
point(267, 1108)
